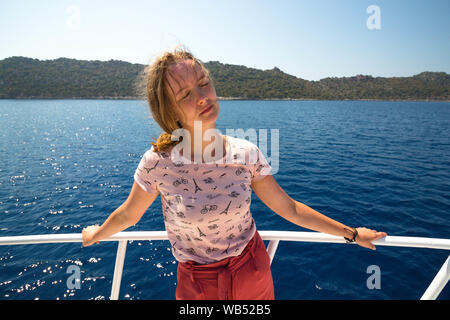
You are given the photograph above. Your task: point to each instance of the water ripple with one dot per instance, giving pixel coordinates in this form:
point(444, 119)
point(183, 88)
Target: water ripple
point(378, 164)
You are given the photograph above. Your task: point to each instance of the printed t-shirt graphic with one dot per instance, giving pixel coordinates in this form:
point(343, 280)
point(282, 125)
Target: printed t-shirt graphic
point(206, 207)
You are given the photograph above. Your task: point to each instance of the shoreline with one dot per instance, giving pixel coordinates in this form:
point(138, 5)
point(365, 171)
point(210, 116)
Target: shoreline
point(227, 99)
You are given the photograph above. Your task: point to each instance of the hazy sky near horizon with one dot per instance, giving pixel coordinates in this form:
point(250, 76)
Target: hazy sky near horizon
point(308, 39)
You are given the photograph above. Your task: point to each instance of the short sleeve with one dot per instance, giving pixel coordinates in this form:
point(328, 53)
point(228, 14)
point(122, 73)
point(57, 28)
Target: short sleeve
point(145, 174)
point(260, 166)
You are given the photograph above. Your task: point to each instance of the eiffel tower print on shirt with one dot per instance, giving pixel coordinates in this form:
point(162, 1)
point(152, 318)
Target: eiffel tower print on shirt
point(150, 169)
point(225, 211)
point(197, 188)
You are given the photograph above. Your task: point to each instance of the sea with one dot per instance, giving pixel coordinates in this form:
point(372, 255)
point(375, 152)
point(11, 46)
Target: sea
point(68, 164)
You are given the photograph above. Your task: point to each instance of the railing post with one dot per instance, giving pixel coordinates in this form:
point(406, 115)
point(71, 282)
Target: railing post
point(438, 283)
point(120, 258)
point(271, 248)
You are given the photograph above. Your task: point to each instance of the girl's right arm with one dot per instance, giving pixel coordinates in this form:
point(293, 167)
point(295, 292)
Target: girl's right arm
point(128, 214)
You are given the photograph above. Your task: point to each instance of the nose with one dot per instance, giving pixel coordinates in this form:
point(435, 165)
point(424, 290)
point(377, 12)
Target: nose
point(202, 99)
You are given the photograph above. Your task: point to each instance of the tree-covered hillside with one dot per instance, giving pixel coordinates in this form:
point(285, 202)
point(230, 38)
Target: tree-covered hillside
point(22, 77)
point(66, 78)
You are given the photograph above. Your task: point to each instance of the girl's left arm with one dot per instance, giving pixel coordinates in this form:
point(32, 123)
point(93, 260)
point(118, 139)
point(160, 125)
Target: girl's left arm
point(270, 192)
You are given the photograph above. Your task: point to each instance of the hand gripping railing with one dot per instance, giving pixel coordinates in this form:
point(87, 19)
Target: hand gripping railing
point(274, 237)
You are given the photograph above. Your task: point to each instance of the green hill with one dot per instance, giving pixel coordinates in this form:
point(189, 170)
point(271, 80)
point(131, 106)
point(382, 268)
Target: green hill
point(66, 78)
point(22, 77)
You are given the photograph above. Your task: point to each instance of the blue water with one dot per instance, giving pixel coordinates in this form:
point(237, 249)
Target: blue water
point(66, 164)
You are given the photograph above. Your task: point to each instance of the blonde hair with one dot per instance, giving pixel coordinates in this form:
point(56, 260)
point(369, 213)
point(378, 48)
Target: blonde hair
point(157, 91)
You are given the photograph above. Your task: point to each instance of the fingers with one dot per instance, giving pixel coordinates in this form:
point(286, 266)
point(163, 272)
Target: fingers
point(83, 237)
point(86, 235)
point(87, 244)
point(366, 236)
point(380, 235)
point(375, 234)
point(367, 245)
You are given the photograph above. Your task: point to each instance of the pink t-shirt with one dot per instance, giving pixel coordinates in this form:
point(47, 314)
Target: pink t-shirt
point(206, 207)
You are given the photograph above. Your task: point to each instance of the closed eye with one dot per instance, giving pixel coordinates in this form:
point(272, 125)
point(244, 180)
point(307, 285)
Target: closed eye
point(186, 96)
point(189, 92)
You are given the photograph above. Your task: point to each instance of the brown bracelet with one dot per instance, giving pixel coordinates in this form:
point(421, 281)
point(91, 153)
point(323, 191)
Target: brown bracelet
point(355, 234)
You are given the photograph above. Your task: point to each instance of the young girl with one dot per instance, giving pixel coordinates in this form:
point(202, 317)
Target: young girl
point(205, 190)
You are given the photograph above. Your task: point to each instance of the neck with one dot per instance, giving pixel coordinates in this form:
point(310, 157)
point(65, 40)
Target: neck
point(206, 143)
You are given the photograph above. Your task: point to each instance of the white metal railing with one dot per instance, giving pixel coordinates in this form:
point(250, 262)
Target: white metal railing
point(432, 292)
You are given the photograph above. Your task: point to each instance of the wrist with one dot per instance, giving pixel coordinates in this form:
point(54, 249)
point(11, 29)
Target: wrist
point(350, 234)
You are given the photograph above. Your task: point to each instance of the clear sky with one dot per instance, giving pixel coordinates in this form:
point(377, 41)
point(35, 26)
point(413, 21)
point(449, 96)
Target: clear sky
point(309, 39)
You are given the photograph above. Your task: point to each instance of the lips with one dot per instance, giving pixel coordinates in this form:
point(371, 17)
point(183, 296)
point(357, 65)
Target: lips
point(206, 109)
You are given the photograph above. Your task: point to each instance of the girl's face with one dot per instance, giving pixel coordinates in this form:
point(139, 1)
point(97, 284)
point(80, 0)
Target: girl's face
point(194, 93)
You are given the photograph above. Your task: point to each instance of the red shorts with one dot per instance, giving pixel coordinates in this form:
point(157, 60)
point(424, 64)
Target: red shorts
point(244, 277)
